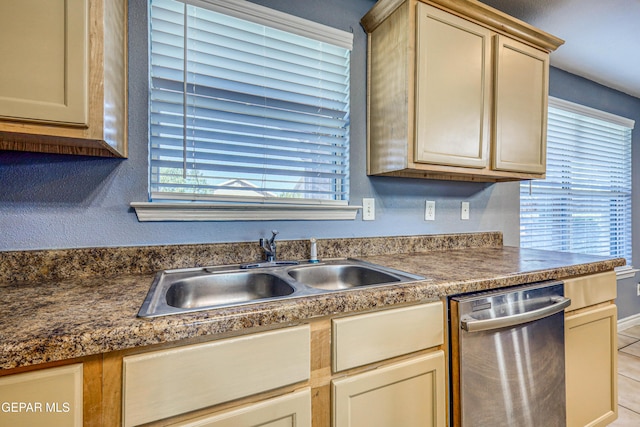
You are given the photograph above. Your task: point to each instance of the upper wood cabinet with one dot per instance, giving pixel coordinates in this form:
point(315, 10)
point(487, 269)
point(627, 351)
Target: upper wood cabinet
point(63, 82)
point(456, 90)
point(520, 107)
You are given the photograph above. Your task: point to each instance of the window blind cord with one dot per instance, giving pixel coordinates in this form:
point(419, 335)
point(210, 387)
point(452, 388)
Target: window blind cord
point(263, 184)
point(185, 85)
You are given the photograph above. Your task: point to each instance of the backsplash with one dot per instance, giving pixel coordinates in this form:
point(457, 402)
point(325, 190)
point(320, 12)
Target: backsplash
point(52, 265)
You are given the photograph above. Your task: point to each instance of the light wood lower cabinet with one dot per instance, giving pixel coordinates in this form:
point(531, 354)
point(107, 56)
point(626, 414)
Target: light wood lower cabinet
point(408, 394)
point(379, 392)
point(392, 368)
point(591, 350)
point(292, 410)
point(172, 382)
point(51, 397)
point(591, 367)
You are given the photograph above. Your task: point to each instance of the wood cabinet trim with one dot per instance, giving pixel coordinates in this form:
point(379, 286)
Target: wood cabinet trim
point(474, 10)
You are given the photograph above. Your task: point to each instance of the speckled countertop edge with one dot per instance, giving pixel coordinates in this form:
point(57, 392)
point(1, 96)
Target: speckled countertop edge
point(76, 317)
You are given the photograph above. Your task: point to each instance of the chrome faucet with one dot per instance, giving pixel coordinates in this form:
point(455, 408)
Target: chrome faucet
point(269, 247)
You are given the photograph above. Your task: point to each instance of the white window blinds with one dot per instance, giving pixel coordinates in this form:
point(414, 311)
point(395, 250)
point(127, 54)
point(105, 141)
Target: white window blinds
point(240, 108)
point(584, 204)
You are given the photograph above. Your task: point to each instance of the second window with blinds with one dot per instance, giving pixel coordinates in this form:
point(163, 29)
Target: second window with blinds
point(584, 204)
point(247, 105)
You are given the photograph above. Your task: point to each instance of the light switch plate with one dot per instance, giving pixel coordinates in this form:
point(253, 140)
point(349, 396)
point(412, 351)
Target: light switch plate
point(464, 211)
point(368, 209)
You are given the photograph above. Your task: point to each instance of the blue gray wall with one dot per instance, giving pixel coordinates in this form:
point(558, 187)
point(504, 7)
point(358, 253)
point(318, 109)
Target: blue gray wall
point(49, 201)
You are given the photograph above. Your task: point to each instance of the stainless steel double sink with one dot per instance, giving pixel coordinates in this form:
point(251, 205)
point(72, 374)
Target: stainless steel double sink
point(195, 289)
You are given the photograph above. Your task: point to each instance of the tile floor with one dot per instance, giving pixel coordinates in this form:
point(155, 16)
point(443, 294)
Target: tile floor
point(628, 378)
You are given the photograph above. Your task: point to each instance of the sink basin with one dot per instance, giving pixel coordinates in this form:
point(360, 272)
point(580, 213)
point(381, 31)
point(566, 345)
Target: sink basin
point(193, 289)
point(225, 289)
point(333, 277)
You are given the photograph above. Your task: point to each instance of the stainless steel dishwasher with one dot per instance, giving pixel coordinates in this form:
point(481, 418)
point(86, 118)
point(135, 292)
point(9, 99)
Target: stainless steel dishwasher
point(507, 357)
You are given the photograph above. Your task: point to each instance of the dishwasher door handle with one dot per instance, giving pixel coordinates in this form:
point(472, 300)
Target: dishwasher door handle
point(469, 324)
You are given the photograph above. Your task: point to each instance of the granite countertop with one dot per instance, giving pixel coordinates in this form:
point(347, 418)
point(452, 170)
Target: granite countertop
point(56, 319)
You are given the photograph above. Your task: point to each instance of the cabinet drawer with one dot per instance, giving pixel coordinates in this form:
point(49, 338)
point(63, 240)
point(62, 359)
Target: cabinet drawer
point(292, 410)
point(369, 338)
point(165, 383)
point(589, 290)
point(47, 398)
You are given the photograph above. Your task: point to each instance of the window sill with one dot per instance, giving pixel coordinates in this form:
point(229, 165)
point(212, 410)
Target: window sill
point(625, 272)
point(155, 211)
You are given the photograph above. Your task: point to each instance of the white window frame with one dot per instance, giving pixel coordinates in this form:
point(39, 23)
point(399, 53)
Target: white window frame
point(243, 208)
point(622, 272)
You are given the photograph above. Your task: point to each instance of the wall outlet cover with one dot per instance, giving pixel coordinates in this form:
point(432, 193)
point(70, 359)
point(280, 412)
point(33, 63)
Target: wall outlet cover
point(464, 211)
point(368, 209)
point(430, 211)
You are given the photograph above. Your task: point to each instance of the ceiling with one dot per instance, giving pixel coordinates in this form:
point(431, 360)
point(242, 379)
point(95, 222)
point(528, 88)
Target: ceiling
point(602, 38)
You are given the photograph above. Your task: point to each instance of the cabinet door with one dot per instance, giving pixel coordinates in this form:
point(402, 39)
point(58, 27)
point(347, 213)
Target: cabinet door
point(407, 394)
point(520, 117)
point(45, 47)
point(64, 90)
point(46, 398)
point(591, 367)
point(453, 60)
point(292, 410)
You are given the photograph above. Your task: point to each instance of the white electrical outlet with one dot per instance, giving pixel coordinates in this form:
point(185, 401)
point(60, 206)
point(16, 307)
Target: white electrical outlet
point(368, 209)
point(430, 211)
point(464, 211)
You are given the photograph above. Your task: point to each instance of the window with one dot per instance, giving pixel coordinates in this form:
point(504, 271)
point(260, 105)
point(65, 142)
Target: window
point(247, 105)
point(584, 204)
